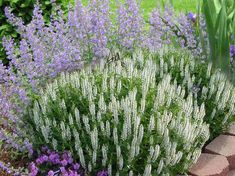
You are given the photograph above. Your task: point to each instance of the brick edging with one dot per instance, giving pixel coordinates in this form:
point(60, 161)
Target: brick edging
point(218, 159)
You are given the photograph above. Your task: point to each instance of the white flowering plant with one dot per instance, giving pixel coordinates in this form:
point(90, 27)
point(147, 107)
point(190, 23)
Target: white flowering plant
point(209, 85)
point(117, 117)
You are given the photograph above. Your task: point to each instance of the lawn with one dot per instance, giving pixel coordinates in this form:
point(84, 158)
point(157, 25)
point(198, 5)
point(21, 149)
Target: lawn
point(179, 5)
point(149, 5)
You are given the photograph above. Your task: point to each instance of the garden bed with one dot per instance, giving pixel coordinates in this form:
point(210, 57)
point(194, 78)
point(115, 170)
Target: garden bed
point(85, 94)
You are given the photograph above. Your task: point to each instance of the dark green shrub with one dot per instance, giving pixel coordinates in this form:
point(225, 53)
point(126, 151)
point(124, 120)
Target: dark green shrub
point(23, 9)
point(116, 117)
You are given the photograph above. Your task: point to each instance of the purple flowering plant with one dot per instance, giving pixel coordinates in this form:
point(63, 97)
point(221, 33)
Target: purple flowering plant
point(167, 28)
point(51, 163)
point(130, 32)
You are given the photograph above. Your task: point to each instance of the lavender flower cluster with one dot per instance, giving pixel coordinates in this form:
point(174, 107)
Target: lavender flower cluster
point(130, 32)
point(167, 26)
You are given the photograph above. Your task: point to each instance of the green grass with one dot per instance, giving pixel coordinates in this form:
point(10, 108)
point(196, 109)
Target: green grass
point(179, 5)
point(148, 5)
point(185, 5)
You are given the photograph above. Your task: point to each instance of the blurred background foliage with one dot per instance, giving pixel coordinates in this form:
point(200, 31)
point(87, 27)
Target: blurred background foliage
point(23, 9)
point(220, 20)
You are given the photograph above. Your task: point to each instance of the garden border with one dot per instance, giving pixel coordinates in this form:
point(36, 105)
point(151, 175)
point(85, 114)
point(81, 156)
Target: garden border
point(218, 157)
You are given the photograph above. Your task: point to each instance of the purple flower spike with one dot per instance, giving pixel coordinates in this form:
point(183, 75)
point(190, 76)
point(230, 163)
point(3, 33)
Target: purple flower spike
point(192, 16)
point(102, 173)
point(232, 51)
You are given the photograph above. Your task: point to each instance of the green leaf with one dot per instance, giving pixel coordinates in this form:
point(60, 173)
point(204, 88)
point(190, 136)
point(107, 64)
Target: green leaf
point(4, 26)
point(23, 5)
point(14, 35)
point(217, 5)
point(47, 2)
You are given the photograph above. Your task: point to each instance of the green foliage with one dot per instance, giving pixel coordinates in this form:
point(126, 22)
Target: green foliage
point(121, 117)
point(24, 10)
point(220, 19)
point(210, 86)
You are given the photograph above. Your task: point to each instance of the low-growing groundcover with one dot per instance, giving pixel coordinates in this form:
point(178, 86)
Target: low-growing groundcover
point(121, 96)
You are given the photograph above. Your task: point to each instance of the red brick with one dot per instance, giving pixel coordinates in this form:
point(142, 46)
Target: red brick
point(231, 173)
point(210, 165)
point(223, 145)
point(231, 130)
